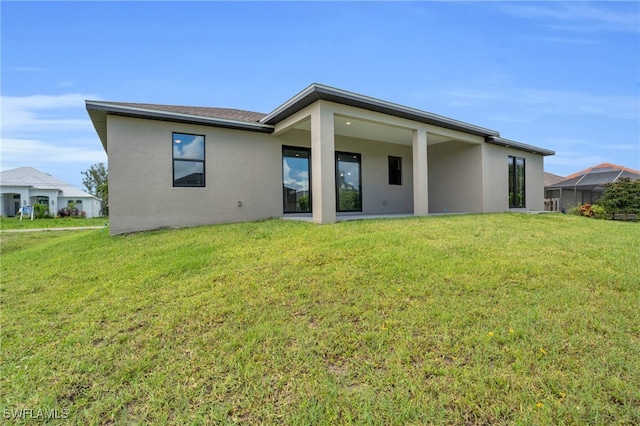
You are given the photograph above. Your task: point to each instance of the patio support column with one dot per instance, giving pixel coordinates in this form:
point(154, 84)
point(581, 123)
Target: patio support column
point(323, 176)
point(420, 173)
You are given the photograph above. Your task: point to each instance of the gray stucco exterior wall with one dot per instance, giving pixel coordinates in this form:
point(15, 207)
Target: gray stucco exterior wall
point(243, 176)
point(495, 172)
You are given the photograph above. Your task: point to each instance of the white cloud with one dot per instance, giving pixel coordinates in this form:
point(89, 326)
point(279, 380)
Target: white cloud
point(575, 159)
point(52, 133)
point(512, 118)
point(575, 145)
point(625, 147)
point(567, 40)
point(21, 152)
point(537, 102)
point(574, 154)
point(38, 102)
point(28, 114)
point(193, 149)
point(569, 142)
point(298, 179)
point(580, 16)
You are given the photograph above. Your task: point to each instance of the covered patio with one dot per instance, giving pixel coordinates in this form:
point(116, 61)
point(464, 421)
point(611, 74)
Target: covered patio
point(434, 154)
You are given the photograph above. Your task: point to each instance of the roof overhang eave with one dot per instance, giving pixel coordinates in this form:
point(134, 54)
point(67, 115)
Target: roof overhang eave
point(129, 111)
point(321, 92)
point(519, 145)
point(99, 121)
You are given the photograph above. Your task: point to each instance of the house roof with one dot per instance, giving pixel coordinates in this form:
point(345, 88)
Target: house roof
point(253, 121)
point(321, 92)
point(595, 178)
point(603, 167)
point(223, 117)
point(496, 140)
point(550, 179)
point(221, 113)
point(34, 178)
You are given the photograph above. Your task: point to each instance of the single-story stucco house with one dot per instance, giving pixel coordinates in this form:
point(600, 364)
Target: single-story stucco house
point(26, 186)
point(324, 152)
point(586, 186)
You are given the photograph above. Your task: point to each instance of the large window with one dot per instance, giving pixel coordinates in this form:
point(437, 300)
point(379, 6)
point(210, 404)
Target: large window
point(188, 160)
point(395, 170)
point(348, 188)
point(516, 183)
point(296, 179)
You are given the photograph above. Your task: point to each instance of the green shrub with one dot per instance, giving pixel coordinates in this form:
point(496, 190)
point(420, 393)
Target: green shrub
point(588, 210)
point(40, 211)
point(575, 210)
point(599, 212)
point(622, 197)
point(71, 212)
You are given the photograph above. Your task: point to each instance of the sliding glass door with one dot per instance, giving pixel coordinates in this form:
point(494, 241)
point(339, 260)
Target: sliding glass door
point(296, 179)
point(348, 182)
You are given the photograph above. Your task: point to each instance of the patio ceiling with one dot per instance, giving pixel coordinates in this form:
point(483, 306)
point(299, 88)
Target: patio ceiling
point(371, 130)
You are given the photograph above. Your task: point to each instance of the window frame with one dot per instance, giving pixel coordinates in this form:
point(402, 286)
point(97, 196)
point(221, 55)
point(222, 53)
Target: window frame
point(187, 160)
point(308, 152)
point(358, 157)
point(395, 176)
point(516, 183)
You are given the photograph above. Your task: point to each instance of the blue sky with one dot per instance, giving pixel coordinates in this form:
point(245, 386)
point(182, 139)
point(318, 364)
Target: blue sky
point(560, 75)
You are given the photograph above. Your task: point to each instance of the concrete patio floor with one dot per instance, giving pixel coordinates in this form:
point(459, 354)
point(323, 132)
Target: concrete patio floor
point(308, 217)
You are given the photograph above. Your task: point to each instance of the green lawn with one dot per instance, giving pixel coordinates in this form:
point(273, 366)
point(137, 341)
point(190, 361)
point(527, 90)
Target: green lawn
point(472, 319)
point(9, 223)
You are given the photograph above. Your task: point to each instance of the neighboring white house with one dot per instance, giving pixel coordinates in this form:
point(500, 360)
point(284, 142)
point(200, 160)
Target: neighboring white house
point(26, 186)
point(323, 153)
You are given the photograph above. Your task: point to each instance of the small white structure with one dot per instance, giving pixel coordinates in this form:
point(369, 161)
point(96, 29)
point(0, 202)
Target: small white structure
point(27, 186)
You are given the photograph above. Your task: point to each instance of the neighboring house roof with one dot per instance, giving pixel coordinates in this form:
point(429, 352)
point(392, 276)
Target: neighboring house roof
point(34, 178)
point(595, 178)
point(550, 179)
point(253, 121)
point(603, 167)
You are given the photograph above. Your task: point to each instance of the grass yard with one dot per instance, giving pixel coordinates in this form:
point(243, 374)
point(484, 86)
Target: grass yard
point(11, 223)
point(473, 319)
